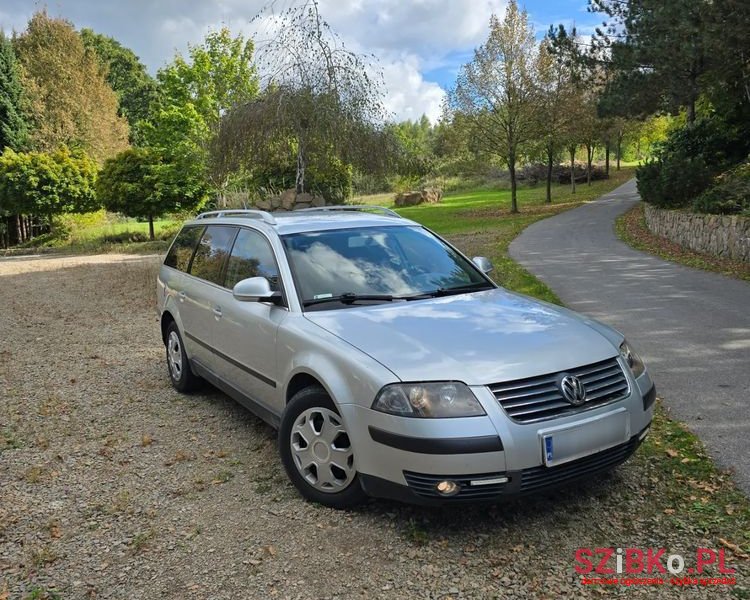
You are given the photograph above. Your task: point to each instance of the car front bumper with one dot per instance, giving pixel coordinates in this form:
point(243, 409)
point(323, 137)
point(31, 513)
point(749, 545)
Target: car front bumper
point(493, 487)
point(490, 457)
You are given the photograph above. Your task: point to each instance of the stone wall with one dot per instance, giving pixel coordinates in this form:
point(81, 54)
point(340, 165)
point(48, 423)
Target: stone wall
point(290, 200)
point(725, 236)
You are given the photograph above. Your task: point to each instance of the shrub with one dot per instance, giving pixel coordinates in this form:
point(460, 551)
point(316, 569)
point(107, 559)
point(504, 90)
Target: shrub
point(730, 193)
point(688, 160)
point(124, 237)
point(673, 183)
point(169, 231)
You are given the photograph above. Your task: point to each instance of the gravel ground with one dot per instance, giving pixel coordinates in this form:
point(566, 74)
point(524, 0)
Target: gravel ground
point(115, 486)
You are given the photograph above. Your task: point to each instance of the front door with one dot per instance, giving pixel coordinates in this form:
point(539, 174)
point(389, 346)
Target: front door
point(245, 335)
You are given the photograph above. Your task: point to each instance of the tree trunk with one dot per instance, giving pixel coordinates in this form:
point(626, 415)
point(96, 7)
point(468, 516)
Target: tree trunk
point(606, 159)
point(589, 160)
point(151, 227)
point(691, 112)
point(513, 185)
point(300, 183)
point(19, 231)
point(619, 148)
point(549, 175)
point(572, 151)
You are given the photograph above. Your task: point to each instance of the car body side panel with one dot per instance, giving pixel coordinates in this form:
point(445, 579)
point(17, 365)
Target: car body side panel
point(348, 375)
point(246, 333)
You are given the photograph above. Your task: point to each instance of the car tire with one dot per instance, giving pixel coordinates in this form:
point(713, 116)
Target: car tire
point(316, 451)
point(178, 366)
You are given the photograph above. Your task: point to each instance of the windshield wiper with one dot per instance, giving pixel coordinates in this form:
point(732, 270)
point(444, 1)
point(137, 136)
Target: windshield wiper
point(469, 287)
point(351, 297)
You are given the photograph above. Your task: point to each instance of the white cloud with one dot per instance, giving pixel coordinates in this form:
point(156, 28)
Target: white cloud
point(409, 95)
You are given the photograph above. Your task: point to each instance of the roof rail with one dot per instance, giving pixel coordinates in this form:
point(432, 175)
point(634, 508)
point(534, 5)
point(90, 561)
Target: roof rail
point(264, 216)
point(352, 207)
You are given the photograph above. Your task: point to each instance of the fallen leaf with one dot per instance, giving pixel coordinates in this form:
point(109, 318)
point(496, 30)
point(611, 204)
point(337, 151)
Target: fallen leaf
point(736, 550)
point(271, 550)
point(671, 452)
point(669, 511)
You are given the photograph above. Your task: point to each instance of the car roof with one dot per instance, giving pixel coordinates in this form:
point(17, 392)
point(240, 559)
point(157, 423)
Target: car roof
point(307, 220)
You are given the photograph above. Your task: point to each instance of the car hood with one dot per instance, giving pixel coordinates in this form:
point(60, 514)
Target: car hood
point(477, 338)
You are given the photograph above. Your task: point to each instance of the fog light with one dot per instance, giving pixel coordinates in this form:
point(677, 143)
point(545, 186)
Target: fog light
point(448, 488)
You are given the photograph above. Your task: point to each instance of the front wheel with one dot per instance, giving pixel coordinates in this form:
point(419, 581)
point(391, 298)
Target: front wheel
point(316, 450)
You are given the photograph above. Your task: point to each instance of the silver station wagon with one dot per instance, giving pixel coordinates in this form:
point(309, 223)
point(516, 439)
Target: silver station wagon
point(391, 364)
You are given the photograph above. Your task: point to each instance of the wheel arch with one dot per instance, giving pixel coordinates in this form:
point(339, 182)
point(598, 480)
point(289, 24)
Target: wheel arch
point(167, 318)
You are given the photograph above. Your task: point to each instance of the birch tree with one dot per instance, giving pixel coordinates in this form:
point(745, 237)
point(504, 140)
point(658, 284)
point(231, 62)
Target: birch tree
point(497, 91)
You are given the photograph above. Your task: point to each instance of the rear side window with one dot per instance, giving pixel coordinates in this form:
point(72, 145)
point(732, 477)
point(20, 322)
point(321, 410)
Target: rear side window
point(183, 247)
point(252, 257)
point(212, 253)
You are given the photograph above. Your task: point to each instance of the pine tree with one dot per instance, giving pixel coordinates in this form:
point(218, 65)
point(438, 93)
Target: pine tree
point(13, 122)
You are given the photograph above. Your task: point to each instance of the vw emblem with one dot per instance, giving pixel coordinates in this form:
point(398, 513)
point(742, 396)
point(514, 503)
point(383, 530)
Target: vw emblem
point(572, 390)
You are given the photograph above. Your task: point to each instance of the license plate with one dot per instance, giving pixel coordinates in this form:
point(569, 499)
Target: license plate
point(575, 440)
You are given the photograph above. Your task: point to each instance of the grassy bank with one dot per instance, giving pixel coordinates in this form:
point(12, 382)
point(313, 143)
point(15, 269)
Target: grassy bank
point(631, 228)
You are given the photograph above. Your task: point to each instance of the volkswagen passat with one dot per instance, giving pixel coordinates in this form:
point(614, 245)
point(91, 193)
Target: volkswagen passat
point(390, 363)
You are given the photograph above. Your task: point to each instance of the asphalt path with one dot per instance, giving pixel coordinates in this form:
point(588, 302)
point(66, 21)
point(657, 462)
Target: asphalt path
point(692, 327)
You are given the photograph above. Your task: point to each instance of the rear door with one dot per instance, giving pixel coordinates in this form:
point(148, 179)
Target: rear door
point(203, 294)
point(246, 333)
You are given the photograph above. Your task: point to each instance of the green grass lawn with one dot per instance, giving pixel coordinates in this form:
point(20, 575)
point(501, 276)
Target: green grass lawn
point(480, 223)
point(110, 229)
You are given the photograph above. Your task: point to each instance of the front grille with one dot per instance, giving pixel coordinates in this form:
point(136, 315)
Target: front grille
point(424, 485)
point(537, 398)
point(537, 478)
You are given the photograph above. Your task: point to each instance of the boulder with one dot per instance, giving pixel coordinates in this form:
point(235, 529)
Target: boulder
point(425, 196)
point(288, 199)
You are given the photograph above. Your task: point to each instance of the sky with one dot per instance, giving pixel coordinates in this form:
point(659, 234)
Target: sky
point(420, 45)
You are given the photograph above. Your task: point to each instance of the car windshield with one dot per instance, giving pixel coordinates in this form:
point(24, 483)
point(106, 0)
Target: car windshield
point(376, 264)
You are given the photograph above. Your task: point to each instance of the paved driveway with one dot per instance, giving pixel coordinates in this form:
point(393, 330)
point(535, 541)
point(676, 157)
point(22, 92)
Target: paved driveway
point(692, 327)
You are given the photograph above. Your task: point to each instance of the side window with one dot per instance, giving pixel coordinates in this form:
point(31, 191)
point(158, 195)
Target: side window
point(212, 253)
point(183, 247)
point(252, 257)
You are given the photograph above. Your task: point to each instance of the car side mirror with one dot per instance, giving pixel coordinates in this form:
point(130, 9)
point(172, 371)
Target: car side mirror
point(255, 289)
point(483, 263)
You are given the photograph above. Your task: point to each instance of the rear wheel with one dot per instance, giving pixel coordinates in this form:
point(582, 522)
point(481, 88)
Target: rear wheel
point(182, 377)
point(316, 450)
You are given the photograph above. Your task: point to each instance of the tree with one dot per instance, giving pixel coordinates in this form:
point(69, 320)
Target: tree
point(42, 184)
point(579, 121)
point(139, 183)
point(71, 102)
point(657, 51)
point(497, 90)
point(126, 75)
point(319, 104)
point(554, 93)
point(218, 76)
point(14, 127)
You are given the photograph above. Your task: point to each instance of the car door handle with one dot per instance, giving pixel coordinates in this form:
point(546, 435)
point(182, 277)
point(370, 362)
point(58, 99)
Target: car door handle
point(217, 312)
point(182, 296)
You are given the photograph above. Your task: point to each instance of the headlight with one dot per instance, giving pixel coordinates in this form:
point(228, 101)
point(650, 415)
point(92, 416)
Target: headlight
point(632, 359)
point(431, 400)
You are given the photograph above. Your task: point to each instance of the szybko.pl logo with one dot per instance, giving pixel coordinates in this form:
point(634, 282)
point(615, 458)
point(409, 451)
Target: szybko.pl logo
point(651, 566)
